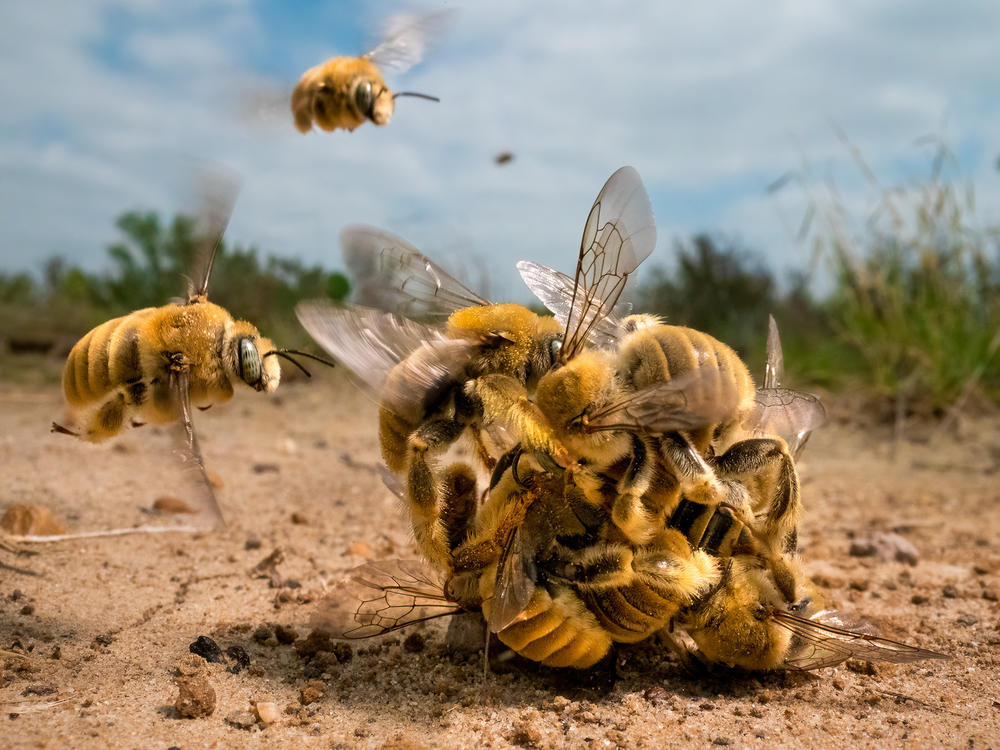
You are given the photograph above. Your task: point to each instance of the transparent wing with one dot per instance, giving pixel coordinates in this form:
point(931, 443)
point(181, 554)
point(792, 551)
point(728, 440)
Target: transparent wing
point(618, 236)
point(792, 415)
point(218, 196)
point(696, 399)
point(373, 345)
point(381, 597)
point(201, 496)
point(515, 584)
point(406, 38)
point(774, 369)
point(393, 275)
point(555, 290)
point(819, 644)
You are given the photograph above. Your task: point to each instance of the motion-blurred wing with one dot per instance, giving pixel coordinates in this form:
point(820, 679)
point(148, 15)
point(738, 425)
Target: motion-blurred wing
point(696, 399)
point(218, 196)
point(372, 344)
point(381, 597)
point(774, 368)
point(618, 236)
point(555, 290)
point(407, 37)
point(515, 584)
point(394, 276)
point(199, 492)
point(819, 644)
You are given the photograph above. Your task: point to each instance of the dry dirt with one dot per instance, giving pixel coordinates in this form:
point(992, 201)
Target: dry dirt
point(91, 631)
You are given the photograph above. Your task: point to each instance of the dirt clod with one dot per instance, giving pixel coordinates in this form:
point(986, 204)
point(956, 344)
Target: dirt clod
point(312, 692)
point(241, 719)
point(263, 634)
point(264, 468)
point(317, 640)
point(252, 543)
point(28, 609)
point(949, 592)
point(414, 643)
point(360, 549)
point(207, 649)
point(195, 697)
point(966, 619)
point(888, 547)
point(299, 519)
point(525, 734)
point(285, 634)
point(239, 655)
point(189, 666)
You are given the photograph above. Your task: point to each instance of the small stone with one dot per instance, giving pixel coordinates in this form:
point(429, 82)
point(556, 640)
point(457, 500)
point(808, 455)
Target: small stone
point(56, 653)
point(239, 655)
point(525, 734)
point(104, 639)
point(195, 697)
point(266, 468)
point(722, 741)
point(343, 652)
point(656, 694)
point(252, 543)
point(215, 480)
point(267, 712)
point(859, 585)
point(31, 520)
point(172, 505)
point(28, 609)
point(918, 599)
point(949, 592)
point(285, 634)
point(414, 643)
point(888, 547)
point(317, 640)
point(980, 570)
point(39, 690)
point(990, 595)
point(966, 619)
point(838, 684)
point(262, 634)
point(312, 692)
point(16, 595)
point(207, 649)
point(359, 549)
point(241, 719)
point(299, 519)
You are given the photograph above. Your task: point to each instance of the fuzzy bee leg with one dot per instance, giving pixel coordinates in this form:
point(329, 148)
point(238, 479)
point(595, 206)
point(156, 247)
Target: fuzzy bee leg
point(459, 501)
point(467, 409)
point(628, 512)
point(765, 467)
point(423, 491)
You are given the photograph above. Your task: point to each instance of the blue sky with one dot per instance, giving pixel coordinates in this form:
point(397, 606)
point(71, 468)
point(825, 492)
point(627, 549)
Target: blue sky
point(111, 105)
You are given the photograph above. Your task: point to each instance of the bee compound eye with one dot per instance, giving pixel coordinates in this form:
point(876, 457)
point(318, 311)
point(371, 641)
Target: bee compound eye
point(250, 369)
point(555, 346)
point(363, 98)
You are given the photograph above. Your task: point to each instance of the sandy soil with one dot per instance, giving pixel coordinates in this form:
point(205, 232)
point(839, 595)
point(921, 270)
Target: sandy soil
point(100, 625)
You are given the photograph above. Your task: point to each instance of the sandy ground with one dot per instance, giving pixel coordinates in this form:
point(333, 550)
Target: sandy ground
point(100, 625)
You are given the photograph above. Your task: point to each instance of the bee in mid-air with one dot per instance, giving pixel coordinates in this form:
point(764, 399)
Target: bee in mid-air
point(152, 365)
point(433, 386)
point(344, 92)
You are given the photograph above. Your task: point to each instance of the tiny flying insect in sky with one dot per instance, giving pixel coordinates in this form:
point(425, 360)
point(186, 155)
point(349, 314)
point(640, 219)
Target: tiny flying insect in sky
point(345, 92)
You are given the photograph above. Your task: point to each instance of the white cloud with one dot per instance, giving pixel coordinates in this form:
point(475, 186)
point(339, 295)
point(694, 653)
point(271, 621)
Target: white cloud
point(712, 100)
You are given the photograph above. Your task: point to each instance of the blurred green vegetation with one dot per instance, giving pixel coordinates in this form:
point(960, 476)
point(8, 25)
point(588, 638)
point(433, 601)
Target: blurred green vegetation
point(148, 268)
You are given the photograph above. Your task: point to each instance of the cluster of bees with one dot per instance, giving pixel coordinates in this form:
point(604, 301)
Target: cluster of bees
point(624, 476)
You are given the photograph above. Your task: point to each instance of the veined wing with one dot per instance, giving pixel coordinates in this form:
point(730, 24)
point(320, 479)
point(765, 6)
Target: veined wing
point(380, 597)
point(774, 368)
point(555, 290)
point(821, 644)
point(217, 199)
point(393, 275)
point(619, 234)
point(515, 582)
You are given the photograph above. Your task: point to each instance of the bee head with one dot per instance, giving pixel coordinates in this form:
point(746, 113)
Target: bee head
point(373, 100)
point(567, 394)
point(252, 365)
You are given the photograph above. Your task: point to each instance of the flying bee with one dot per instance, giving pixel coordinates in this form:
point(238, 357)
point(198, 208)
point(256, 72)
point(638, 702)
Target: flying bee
point(344, 92)
point(152, 365)
point(433, 386)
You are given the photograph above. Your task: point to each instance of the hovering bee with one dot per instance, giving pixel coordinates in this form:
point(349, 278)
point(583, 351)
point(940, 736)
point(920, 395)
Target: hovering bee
point(153, 364)
point(344, 92)
point(433, 386)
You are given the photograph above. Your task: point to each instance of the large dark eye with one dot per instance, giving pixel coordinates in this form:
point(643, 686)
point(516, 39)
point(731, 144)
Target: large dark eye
point(249, 362)
point(363, 98)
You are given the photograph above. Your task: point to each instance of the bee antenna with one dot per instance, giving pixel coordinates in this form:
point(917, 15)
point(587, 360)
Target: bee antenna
point(285, 354)
point(414, 93)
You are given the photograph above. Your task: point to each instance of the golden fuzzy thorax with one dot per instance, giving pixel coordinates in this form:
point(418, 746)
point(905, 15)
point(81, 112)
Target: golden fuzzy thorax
point(121, 370)
point(325, 95)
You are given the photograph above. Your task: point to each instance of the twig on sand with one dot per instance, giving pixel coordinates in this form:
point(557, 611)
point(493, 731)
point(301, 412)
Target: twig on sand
point(26, 707)
point(107, 532)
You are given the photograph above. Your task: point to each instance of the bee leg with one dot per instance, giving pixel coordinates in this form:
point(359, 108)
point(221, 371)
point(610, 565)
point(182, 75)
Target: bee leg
point(628, 512)
point(691, 661)
point(58, 428)
point(467, 411)
point(459, 503)
point(765, 467)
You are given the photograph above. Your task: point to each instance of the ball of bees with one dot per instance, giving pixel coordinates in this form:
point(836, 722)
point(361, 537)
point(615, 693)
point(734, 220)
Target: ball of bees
point(345, 92)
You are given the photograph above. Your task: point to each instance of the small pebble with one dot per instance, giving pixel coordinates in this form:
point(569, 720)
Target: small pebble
point(722, 741)
point(317, 640)
point(31, 520)
point(171, 505)
point(918, 599)
point(262, 634)
point(414, 643)
point(312, 692)
point(949, 592)
point(252, 543)
point(239, 655)
point(39, 690)
point(525, 734)
point(360, 549)
point(285, 634)
point(299, 519)
point(967, 619)
point(890, 547)
point(215, 480)
point(267, 712)
point(195, 697)
point(28, 609)
point(266, 468)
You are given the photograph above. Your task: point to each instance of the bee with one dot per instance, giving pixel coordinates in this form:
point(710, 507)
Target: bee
point(345, 92)
point(435, 385)
point(154, 364)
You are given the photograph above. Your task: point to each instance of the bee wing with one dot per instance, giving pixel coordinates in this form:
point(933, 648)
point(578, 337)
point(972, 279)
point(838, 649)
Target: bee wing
point(774, 369)
point(372, 343)
point(393, 275)
point(187, 450)
point(790, 414)
point(218, 196)
point(380, 597)
point(821, 644)
point(555, 290)
point(695, 399)
point(406, 38)
point(515, 584)
point(618, 236)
